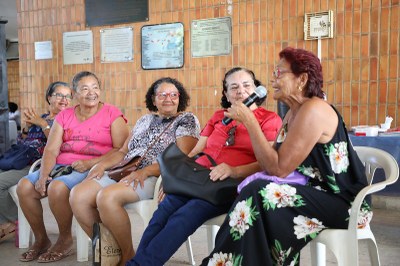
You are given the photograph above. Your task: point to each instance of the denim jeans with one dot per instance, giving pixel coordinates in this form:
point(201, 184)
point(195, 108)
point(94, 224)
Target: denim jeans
point(176, 218)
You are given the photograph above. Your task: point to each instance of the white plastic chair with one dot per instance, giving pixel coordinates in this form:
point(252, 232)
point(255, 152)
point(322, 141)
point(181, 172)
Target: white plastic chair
point(144, 208)
point(344, 242)
point(24, 229)
point(12, 132)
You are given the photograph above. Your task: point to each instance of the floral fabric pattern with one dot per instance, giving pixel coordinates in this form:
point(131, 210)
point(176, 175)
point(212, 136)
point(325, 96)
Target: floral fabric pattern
point(241, 218)
point(269, 223)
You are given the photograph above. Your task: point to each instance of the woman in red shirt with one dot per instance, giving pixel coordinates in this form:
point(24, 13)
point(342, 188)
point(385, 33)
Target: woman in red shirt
point(230, 147)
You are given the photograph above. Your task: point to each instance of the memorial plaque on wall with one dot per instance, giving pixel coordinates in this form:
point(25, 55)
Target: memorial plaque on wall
point(211, 37)
point(162, 46)
point(106, 12)
point(78, 47)
point(116, 44)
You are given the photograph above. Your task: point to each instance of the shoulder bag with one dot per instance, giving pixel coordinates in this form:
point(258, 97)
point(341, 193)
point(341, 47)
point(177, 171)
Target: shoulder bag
point(127, 166)
point(181, 175)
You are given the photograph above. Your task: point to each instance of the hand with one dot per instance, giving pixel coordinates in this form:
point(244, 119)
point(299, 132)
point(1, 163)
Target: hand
point(239, 112)
point(40, 186)
point(221, 172)
point(81, 166)
point(32, 118)
point(97, 172)
point(137, 177)
point(161, 194)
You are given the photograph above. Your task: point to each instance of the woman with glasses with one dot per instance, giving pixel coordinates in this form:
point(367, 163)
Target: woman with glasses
point(34, 137)
point(178, 217)
point(100, 198)
point(80, 137)
point(270, 222)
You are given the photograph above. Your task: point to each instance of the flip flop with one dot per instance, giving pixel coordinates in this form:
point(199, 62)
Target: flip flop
point(54, 256)
point(33, 254)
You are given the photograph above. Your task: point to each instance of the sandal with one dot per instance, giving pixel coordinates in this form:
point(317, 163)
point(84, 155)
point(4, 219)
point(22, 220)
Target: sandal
point(52, 256)
point(31, 254)
point(7, 233)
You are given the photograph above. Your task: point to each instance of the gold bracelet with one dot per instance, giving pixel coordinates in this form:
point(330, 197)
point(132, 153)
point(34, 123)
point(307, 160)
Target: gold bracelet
point(45, 128)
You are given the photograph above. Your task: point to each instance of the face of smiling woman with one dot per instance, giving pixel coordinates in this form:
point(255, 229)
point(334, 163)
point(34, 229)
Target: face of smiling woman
point(88, 92)
point(166, 99)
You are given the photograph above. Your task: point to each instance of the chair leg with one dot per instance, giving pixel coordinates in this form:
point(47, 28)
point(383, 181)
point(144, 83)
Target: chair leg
point(24, 230)
point(318, 253)
point(190, 251)
point(212, 231)
point(373, 252)
point(82, 243)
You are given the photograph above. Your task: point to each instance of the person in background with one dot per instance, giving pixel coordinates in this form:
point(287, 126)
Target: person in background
point(34, 135)
point(14, 114)
point(80, 137)
point(100, 198)
point(269, 223)
point(178, 217)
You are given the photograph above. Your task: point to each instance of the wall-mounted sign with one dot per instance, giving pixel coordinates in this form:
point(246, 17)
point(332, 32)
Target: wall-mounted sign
point(43, 50)
point(106, 12)
point(318, 25)
point(211, 37)
point(162, 46)
point(116, 44)
point(78, 47)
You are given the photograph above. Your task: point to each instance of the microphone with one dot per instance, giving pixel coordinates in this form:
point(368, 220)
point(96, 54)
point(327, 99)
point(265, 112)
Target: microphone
point(260, 92)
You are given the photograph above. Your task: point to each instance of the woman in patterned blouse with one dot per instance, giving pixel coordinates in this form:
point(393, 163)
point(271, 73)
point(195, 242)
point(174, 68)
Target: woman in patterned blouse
point(100, 198)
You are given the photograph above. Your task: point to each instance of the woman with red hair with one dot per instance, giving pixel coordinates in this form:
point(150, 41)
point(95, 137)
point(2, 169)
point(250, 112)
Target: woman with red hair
point(271, 221)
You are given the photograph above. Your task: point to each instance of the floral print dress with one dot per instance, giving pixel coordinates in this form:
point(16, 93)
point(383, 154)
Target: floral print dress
point(270, 223)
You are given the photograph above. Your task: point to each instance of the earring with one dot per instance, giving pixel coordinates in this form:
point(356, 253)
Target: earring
point(299, 88)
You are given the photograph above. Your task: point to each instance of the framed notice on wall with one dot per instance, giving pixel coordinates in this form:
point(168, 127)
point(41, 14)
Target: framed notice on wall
point(211, 37)
point(116, 45)
point(78, 47)
point(162, 46)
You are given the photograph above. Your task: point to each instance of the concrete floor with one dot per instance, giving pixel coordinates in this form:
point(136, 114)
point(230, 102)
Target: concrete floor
point(385, 225)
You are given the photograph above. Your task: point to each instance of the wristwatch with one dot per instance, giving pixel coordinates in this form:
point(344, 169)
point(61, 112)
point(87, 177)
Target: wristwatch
point(46, 127)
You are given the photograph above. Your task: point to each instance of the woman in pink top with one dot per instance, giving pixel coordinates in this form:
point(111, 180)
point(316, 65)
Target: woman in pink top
point(80, 137)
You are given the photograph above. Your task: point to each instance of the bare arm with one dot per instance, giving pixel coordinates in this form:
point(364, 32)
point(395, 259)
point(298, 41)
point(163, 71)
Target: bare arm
point(201, 144)
point(51, 151)
point(184, 143)
point(314, 123)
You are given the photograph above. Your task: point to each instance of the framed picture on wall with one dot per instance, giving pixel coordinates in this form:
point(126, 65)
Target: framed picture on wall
point(162, 46)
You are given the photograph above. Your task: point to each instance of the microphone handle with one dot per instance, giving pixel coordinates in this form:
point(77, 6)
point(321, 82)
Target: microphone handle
point(248, 101)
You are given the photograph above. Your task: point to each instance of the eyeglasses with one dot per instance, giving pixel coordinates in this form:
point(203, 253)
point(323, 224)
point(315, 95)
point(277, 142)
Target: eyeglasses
point(231, 136)
point(163, 95)
point(60, 96)
point(277, 73)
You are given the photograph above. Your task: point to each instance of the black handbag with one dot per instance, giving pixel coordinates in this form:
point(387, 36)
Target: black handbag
point(181, 175)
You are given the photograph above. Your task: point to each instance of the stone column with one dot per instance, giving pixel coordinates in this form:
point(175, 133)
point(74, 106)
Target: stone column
point(4, 138)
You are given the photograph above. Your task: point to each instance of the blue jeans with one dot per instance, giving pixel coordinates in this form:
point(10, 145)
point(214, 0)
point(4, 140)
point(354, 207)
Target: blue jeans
point(176, 218)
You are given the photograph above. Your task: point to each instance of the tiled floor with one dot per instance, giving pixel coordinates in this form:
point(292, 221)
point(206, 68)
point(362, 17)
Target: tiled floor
point(385, 225)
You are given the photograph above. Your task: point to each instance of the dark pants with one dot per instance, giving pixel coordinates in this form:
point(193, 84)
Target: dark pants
point(176, 218)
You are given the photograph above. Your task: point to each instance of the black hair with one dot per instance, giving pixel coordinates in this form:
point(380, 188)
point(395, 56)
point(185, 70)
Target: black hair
point(52, 87)
point(224, 101)
point(12, 107)
point(184, 98)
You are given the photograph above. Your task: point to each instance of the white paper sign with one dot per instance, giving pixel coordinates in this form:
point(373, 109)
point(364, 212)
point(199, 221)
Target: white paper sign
point(211, 37)
point(78, 47)
point(43, 50)
point(116, 44)
point(319, 26)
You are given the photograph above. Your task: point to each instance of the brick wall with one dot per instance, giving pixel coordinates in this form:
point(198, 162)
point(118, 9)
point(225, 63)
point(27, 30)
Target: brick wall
point(361, 65)
point(13, 81)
